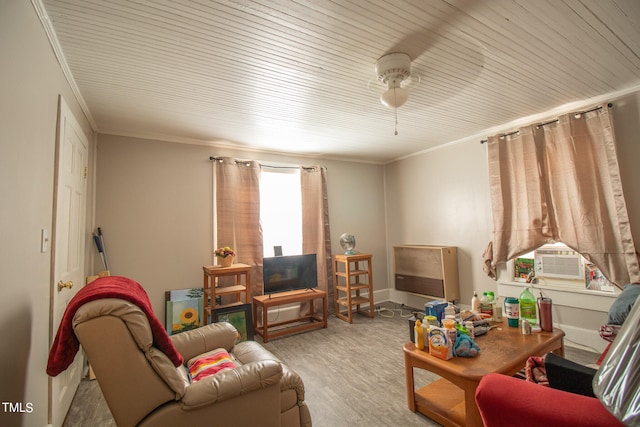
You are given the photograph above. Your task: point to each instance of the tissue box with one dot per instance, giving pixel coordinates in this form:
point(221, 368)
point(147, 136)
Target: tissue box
point(435, 308)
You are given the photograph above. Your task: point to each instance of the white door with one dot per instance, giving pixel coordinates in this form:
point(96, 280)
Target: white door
point(68, 246)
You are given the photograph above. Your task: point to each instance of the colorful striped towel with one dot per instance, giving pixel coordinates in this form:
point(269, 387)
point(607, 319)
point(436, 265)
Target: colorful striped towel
point(210, 363)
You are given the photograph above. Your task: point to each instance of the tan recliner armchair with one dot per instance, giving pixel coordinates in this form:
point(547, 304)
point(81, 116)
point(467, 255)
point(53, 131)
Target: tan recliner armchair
point(143, 387)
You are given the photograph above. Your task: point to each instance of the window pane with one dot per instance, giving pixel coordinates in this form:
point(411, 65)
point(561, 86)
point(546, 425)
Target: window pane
point(281, 211)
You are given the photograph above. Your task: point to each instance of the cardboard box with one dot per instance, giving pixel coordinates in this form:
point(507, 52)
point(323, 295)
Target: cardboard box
point(440, 344)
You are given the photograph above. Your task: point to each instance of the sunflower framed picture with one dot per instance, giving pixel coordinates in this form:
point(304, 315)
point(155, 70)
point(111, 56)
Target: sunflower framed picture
point(185, 310)
point(239, 316)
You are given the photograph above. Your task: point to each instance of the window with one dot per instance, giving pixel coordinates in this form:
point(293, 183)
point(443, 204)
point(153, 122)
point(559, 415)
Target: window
point(559, 181)
point(281, 210)
point(557, 265)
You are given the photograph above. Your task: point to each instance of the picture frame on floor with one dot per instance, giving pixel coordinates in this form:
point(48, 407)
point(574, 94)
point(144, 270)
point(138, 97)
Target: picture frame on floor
point(184, 310)
point(239, 316)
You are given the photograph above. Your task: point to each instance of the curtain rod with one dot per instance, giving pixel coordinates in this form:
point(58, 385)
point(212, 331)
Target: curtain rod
point(214, 159)
point(577, 113)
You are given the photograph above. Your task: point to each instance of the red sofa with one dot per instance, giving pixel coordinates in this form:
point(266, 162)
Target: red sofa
point(507, 401)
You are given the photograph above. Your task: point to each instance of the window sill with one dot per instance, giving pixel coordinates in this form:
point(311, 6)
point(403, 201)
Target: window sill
point(562, 294)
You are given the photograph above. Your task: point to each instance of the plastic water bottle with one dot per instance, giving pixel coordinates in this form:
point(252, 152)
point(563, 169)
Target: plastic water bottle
point(528, 307)
point(470, 328)
point(485, 305)
point(449, 310)
point(475, 302)
point(425, 331)
point(497, 310)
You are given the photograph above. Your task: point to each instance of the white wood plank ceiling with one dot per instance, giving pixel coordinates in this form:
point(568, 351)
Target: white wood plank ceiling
point(293, 75)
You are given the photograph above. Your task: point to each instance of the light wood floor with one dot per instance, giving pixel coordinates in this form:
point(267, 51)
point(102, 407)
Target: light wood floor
point(353, 374)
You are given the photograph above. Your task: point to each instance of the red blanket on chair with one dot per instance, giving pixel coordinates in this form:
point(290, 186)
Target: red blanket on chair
point(66, 345)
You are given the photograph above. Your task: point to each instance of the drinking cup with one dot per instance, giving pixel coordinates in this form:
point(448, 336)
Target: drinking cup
point(512, 311)
point(546, 316)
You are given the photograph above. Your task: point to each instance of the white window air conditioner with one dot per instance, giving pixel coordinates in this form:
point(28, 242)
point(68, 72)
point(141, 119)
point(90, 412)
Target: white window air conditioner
point(560, 262)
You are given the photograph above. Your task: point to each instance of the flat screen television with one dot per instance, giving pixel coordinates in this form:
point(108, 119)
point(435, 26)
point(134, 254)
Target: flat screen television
point(289, 273)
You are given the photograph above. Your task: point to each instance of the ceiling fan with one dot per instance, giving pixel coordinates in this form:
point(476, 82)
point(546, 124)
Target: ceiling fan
point(393, 70)
point(394, 75)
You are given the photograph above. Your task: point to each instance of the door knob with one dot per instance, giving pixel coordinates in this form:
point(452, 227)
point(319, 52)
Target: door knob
point(62, 285)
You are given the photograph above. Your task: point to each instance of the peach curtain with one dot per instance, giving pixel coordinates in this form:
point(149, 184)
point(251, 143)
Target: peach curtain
point(520, 214)
point(561, 182)
point(315, 225)
point(237, 187)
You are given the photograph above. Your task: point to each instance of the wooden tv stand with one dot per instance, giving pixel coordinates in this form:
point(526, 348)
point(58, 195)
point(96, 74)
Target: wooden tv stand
point(303, 323)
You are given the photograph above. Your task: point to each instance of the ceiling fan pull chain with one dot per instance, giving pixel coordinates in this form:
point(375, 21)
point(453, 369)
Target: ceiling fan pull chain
point(395, 110)
point(396, 127)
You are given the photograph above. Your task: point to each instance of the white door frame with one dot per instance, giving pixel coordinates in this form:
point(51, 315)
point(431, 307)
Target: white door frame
point(68, 247)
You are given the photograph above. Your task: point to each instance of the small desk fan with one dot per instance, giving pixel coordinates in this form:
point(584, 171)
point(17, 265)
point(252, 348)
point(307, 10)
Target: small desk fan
point(348, 242)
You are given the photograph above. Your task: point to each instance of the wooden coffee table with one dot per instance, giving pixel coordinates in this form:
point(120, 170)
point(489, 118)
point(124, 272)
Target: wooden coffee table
point(450, 400)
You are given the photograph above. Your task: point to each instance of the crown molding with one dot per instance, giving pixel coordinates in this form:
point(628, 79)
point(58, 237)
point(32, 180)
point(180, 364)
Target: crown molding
point(57, 50)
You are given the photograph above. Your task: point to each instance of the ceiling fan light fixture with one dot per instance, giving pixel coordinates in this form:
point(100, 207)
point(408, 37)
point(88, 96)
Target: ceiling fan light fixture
point(394, 97)
point(392, 69)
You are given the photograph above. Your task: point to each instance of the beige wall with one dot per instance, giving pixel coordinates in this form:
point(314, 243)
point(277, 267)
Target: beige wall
point(154, 205)
point(30, 84)
point(442, 198)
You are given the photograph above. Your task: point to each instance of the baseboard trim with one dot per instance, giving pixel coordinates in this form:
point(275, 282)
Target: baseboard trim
point(584, 339)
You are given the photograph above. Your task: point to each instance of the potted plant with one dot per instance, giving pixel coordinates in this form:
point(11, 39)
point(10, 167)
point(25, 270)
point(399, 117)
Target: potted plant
point(226, 255)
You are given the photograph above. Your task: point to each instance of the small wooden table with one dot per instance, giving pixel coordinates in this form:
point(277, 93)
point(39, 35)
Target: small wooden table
point(211, 290)
point(450, 401)
point(303, 323)
point(353, 273)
